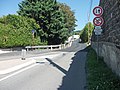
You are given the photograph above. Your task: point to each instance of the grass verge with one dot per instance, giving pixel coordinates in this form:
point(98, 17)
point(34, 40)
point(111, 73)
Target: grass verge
point(99, 76)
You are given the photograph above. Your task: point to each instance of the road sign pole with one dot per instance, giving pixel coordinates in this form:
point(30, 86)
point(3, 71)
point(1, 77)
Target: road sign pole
point(97, 31)
point(98, 21)
point(97, 48)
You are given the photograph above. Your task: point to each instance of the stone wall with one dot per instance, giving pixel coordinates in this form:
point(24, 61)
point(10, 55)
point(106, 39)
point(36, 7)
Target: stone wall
point(109, 40)
point(111, 16)
point(110, 53)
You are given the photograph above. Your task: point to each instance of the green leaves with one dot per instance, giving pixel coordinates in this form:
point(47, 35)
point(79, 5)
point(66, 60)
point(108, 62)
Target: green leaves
point(69, 16)
point(16, 31)
point(54, 21)
point(86, 32)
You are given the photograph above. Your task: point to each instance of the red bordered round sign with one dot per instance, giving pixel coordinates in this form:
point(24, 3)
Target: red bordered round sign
point(98, 21)
point(98, 11)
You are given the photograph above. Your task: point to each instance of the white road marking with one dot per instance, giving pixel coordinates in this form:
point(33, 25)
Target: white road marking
point(18, 72)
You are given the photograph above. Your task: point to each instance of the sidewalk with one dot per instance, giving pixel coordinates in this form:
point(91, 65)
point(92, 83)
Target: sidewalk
point(8, 66)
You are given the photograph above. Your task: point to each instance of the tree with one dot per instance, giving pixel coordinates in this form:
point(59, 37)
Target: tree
point(85, 34)
point(16, 31)
point(49, 16)
point(69, 17)
point(76, 32)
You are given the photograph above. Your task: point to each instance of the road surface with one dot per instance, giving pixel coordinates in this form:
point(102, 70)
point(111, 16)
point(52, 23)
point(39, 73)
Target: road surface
point(65, 72)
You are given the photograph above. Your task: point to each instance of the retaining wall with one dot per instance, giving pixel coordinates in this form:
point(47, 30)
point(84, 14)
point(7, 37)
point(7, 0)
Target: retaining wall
point(109, 40)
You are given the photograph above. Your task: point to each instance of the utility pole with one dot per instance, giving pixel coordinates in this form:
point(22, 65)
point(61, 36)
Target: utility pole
point(89, 13)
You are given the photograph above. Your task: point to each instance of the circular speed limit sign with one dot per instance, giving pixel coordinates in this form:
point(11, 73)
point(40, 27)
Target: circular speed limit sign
point(98, 11)
point(98, 21)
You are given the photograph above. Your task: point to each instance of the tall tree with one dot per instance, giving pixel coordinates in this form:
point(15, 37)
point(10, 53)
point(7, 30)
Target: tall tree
point(49, 16)
point(86, 33)
point(69, 17)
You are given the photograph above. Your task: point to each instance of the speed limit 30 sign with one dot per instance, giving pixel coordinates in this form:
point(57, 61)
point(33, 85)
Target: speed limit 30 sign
point(98, 21)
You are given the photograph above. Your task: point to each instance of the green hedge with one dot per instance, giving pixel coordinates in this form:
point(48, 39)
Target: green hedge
point(17, 31)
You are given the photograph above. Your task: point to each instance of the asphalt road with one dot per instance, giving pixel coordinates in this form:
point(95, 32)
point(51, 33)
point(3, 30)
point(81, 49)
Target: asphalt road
point(65, 72)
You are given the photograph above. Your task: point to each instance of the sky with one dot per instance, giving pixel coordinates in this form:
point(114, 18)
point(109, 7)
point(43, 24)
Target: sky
point(80, 7)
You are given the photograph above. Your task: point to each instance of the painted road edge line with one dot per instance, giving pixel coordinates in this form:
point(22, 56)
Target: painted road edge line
point(17, 67)
point(17, 72)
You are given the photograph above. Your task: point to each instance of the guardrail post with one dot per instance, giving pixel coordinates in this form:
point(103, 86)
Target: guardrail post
point(27, 49)
point(51, 47)
point(63, 46)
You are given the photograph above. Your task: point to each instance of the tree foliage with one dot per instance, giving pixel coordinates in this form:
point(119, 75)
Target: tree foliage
point(86, 33)
point(50, 17)
point(69, 16)
point(16, 31)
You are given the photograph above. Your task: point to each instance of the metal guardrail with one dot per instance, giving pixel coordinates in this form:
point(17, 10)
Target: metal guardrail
point(48, 47)
point(51, 47)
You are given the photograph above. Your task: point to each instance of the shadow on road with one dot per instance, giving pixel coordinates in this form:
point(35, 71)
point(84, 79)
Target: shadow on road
point(75, 77)
point(57, 66)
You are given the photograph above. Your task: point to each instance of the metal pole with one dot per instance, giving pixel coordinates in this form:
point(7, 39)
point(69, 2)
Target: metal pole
point(97, 48)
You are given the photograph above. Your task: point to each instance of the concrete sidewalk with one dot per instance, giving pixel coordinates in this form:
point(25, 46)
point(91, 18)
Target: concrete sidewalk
point(9, 66)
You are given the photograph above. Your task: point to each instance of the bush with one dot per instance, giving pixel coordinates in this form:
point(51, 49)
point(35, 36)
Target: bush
point(17, 31)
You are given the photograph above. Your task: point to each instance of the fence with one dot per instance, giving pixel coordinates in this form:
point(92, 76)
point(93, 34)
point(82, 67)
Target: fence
point(49, 47)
